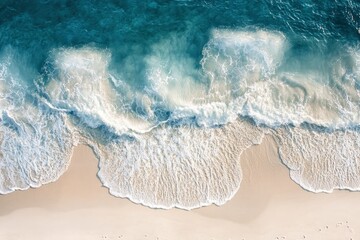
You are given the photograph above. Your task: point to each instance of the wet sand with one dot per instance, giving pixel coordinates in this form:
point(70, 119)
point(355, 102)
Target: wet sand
point(269, 205)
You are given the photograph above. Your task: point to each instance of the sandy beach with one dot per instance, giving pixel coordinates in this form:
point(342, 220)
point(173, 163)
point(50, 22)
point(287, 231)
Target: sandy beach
point(125, 117)
point(268, 205)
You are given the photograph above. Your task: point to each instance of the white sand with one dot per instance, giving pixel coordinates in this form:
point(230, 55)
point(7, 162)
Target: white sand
point(268, 206)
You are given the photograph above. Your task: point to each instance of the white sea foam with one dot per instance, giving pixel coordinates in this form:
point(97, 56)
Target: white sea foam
point(321, 161)
point(247, 77)
point(233, 61)
point(35, 145)
point(82, 83)
point(183, 167)
point(152, 157)
point(243, 73)
point(30, 155)
point(248, 72)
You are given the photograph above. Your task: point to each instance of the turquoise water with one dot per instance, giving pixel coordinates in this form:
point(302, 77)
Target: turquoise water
point(169, 93)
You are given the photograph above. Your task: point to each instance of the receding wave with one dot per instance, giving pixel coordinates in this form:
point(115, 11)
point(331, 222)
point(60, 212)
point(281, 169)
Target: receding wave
point(321, 160)
point(184, 167)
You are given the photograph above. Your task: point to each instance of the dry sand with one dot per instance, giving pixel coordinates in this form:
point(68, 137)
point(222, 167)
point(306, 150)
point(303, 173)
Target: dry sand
point(268, 206)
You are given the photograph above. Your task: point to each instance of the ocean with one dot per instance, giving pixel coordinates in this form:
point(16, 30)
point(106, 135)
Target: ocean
point(168, 94)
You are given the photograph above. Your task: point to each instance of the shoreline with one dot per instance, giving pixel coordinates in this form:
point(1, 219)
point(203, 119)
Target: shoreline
point(268, 205)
